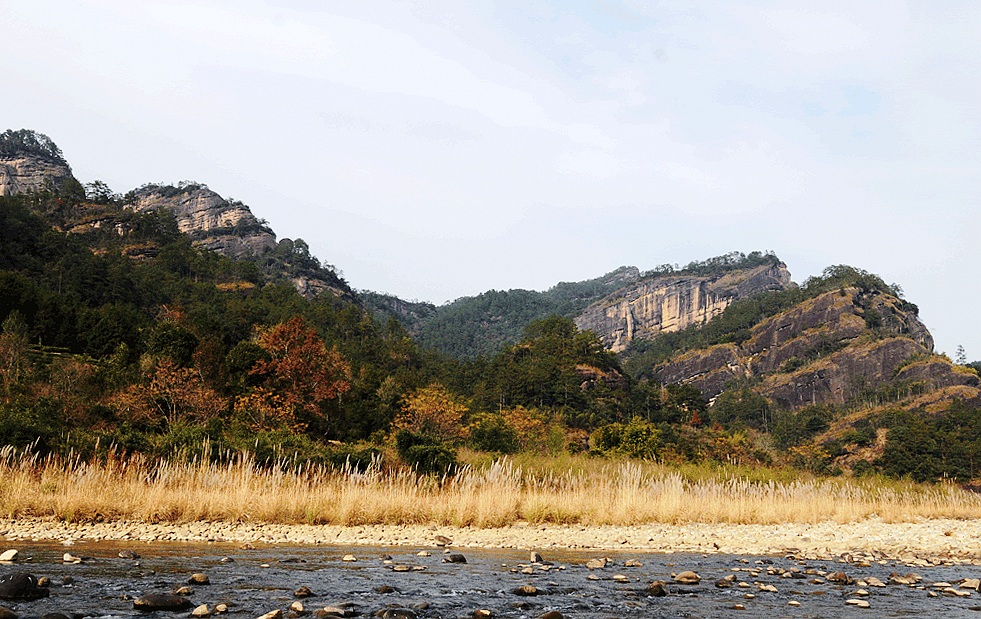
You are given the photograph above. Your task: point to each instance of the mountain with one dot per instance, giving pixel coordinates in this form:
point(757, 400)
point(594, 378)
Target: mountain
point(662, 303)
point(31, 163)
point(621, 306)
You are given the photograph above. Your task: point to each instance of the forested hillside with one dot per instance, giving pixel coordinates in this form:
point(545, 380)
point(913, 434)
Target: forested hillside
point(122, 332)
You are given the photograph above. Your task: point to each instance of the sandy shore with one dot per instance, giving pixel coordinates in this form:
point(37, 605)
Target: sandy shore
point(921, 543)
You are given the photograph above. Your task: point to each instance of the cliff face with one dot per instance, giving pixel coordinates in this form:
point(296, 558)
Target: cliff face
point(211, 221)
point(27, 174)
point(669, 303)
point(828, 349)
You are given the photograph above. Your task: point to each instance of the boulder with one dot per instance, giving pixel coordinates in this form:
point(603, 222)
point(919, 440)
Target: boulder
point(454, 558)
point(161, 601)
point(687, 577)
point(656, 589)
point(21, 586)
point(9, 555)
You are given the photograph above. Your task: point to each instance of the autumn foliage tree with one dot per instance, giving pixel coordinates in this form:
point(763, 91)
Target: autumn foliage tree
point(300, 375)
point(434, 412)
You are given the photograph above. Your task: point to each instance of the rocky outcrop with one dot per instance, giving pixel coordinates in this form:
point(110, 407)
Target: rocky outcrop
point(21, 174)
point(843, 375)
point(827, 349)
point(212, 222)
point(666, 303)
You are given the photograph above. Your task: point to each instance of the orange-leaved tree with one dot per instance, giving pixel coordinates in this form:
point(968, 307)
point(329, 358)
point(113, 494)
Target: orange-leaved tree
point(434, 412)
point(299, 377)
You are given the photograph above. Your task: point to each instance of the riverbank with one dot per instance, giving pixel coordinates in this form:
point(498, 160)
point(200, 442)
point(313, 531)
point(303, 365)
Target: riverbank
point(927, 542)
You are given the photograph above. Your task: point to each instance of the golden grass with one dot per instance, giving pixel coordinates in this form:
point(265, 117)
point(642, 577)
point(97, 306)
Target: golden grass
point(568, 489)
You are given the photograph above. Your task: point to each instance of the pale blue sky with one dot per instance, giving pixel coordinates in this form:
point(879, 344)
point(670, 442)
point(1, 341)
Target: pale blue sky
point(440, 149)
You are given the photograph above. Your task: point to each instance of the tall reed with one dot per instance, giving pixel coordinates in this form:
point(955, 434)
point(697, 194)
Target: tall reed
point(238, 489)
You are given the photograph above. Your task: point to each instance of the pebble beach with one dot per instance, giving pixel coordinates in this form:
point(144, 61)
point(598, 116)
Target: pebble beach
point(928, 542)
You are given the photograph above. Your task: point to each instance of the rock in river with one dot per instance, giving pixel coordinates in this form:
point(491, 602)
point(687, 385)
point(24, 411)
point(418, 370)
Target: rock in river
point(161, 601)
point(454, 558)
point(9, 555)
point(6, 613)
point(687, 578)
point(20, 586)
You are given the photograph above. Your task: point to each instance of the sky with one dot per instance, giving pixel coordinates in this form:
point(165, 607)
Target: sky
point(436, 150)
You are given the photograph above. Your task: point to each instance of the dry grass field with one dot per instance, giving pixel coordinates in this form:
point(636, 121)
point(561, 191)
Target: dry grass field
point(567, 490)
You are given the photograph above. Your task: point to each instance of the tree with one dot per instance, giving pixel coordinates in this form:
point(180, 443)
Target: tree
point(960, 357)
point(301, 372)
point(433, 412)
point(14, 362)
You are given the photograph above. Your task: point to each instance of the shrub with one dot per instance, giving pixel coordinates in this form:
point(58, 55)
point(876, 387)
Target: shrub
point(492, 433)
point(426, 455)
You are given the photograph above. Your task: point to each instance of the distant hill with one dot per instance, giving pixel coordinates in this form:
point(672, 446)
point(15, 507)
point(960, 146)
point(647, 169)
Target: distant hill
point(621, 306)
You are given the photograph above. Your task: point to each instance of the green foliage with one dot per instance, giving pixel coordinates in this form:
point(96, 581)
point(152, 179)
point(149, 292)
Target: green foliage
point(492, 433)
point(426, 455)
point(170, 340)
point(27, 142)
point(549, 368)
point(792, 428)
point(733, 261)
point(636, 439)
point(741, 407)
point(928, 448)
point(31, 422)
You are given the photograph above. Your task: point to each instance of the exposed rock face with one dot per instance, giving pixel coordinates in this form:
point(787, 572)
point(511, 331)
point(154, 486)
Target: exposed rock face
point(842, 375)
point(673, 302)
point(27, 174)
point(211, 221)
point(825, 350)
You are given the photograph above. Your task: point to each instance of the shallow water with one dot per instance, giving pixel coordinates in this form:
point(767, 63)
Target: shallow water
point(263, 579)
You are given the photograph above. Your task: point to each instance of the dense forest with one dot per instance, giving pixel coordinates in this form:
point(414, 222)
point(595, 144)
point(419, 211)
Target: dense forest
point(128, 337)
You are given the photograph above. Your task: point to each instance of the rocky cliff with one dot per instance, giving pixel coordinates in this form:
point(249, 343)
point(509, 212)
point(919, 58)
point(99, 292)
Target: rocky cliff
point(212, 222)
point(671, 302)
point(829, 349)
point(28, 174)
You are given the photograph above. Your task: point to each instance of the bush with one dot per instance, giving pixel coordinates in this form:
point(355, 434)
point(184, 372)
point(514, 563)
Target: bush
point(492, 433)
point(636, 439)
point(426, 455)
